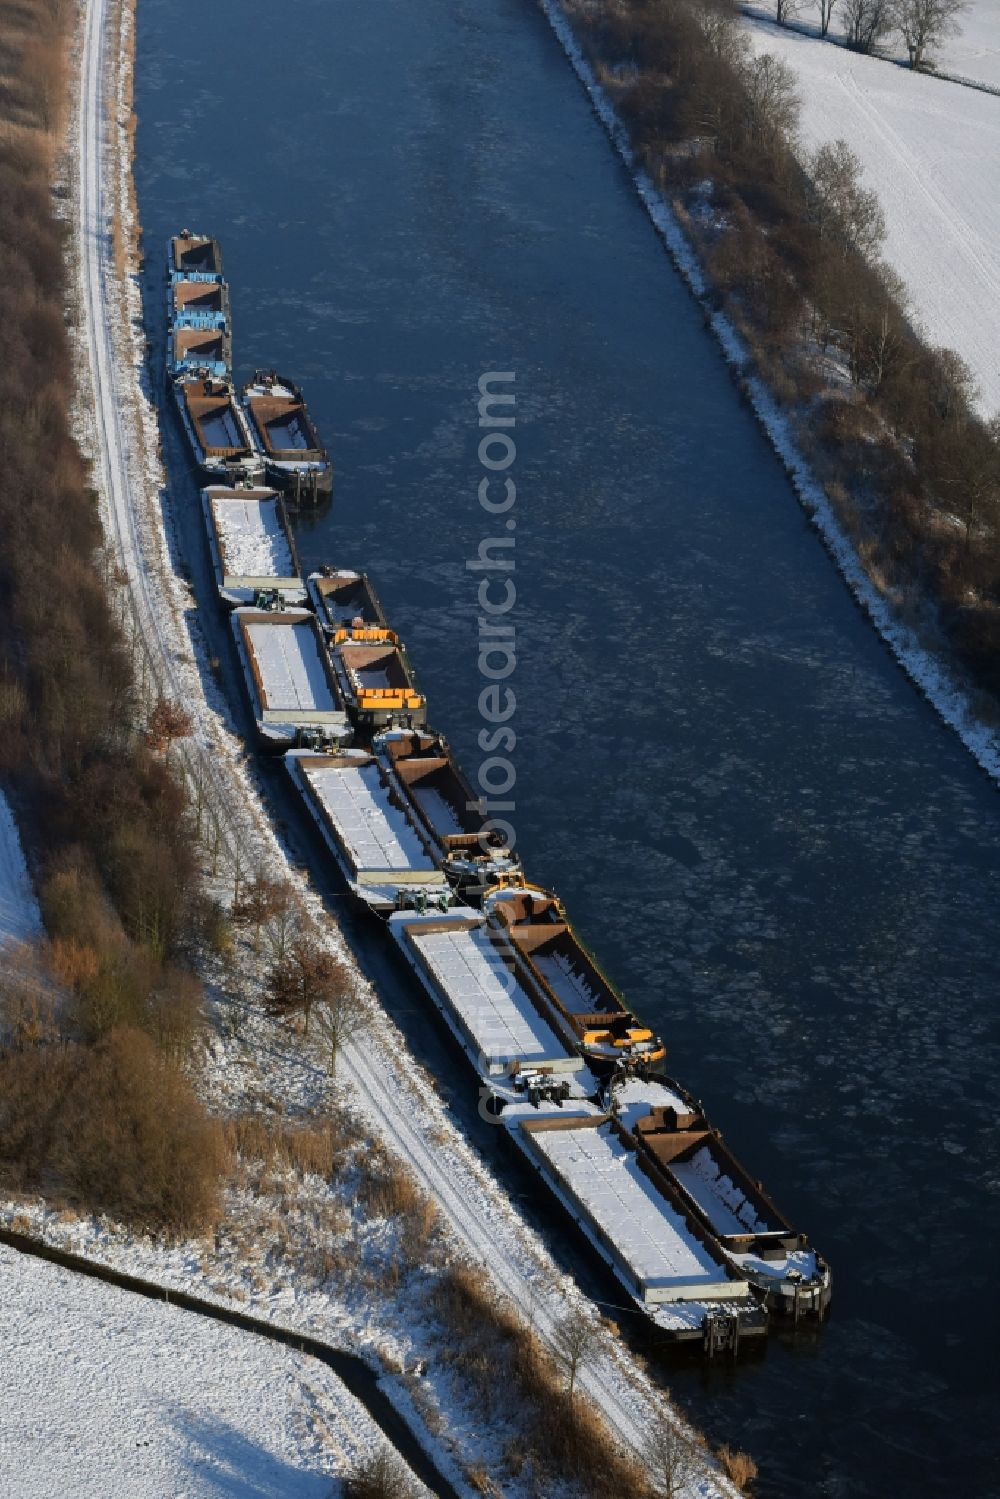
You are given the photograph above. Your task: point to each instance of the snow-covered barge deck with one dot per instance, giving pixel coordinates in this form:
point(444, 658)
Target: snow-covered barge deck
point(289, 678)
point(252, 546)
point(499, 1023)
point(380, 853)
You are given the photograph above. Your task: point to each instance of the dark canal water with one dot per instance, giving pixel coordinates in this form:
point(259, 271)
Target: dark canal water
point(792, 868)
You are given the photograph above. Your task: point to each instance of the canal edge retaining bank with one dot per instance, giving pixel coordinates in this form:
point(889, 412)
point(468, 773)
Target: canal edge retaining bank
point(929, 673)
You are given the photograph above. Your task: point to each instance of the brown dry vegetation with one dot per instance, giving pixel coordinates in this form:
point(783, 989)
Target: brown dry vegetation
point(887, 422)
point(507, 1371)
point(115, 1127)
point(107, 824)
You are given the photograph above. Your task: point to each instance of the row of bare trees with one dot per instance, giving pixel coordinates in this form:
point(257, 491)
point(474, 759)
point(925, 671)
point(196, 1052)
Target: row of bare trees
point(304, 980)
point(793, 248)
point(94, 1030)
point(923, 25)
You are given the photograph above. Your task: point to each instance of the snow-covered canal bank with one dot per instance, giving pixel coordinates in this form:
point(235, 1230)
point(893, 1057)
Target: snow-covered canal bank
point(19, 916)
point(931, 150)
point(108, 1395)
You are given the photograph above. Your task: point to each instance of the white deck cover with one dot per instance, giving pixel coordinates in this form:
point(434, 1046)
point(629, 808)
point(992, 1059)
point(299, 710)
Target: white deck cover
point(439, 812)
point(290, 666)
point(375, 834)
point(649, 1236)
point(252, 542)
point(718, 1196)
point(499, 1016)
point(567, 983)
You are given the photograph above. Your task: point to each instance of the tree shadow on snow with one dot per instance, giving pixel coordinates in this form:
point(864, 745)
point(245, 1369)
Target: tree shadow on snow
point(228, 1462)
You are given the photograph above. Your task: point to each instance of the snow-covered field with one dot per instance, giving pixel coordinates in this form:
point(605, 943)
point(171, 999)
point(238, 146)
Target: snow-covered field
point(106, 1394)
point(931, 151)
point(19, 918)
point(975, 52)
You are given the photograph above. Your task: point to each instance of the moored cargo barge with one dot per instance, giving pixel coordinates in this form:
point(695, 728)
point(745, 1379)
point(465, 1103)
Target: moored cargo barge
point(292, 689)
point(433, 785)
point(252, 546)
point(671, 1267)
point(295, 460)
point(534, 922)
point(381, 854)
point(790, 1276)
point(217, 431)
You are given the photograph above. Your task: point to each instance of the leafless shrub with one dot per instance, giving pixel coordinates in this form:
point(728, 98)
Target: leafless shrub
point(384, 1476)
point(167, 721)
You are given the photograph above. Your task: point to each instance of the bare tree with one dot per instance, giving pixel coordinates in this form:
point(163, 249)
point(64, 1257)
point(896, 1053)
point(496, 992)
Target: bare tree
point(260, 901)
point(772, 100)
point(284, 919)
point(925, 24)
point(719, 24)
point(672, 1456)
point(786, 10)
point(167, 721)
point(840, 205)
point(307, 976)
point(826, 10)
point(969, 480)
point(341, 1014)
point(574, 1343)
point(866, 22)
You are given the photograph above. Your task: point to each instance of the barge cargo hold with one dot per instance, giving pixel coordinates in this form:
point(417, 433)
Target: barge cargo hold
point(199, 350)
point(590, 1008)
point(291, 684)
point(345, 600)
point(380, 853)
point(252, 546)
point(763, 1247)
point(217, 431)
point(294, 458)
point(198, 304)
point(434, 787)
point(197, 253)
point(376, 678)
point(670, 1266)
